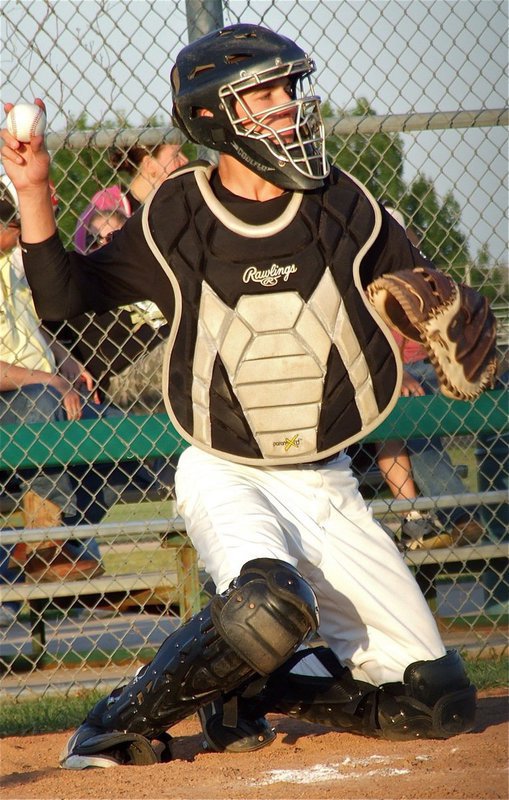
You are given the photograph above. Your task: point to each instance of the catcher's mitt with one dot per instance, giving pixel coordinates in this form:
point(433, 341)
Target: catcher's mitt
point(453, 321)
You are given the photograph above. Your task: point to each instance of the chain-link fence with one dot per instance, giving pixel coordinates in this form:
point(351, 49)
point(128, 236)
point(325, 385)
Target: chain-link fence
point(414, 104)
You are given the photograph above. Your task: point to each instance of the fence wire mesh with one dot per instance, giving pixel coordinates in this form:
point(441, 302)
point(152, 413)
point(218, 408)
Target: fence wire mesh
point(415, 107)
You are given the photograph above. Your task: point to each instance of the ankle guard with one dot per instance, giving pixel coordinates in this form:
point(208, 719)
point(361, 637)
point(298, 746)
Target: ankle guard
point(435, 700)
point(252, 629)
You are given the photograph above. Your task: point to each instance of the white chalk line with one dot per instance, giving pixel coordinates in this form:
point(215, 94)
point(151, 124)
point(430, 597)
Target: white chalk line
point(346, 769)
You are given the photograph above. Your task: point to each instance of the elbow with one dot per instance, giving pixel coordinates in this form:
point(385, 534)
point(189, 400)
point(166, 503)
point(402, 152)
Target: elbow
point(47, 310)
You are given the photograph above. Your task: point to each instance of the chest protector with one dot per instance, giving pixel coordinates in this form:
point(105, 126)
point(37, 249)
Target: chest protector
point(275, 356)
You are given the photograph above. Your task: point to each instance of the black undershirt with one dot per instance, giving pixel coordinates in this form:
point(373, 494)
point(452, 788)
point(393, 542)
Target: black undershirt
point(252, 212)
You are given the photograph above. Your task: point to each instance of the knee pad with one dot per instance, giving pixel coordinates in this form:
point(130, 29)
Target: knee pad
point(250, 629)
point(269, 611)
point(436, 700)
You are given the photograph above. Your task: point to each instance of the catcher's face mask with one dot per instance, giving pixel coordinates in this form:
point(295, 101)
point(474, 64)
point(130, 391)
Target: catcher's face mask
point(220, 74)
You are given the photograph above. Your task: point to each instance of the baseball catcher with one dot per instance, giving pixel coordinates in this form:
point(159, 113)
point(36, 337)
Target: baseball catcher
point(279, 276)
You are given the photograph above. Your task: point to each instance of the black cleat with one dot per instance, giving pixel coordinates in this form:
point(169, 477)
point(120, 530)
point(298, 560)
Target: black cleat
point(228, 729)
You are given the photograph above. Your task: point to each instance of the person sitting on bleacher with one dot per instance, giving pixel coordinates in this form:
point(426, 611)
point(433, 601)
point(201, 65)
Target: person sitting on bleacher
point(124, 348)
point(423, 464)
point(40, 381)
point(116, 345)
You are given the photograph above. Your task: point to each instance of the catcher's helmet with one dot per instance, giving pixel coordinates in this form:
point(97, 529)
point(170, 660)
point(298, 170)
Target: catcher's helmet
point(213, 72)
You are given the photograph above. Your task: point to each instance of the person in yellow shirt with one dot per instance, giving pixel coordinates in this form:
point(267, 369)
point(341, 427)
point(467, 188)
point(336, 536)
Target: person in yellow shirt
point(40, 380)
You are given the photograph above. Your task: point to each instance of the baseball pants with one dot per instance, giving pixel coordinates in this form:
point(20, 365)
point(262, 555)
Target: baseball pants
point(372, 613)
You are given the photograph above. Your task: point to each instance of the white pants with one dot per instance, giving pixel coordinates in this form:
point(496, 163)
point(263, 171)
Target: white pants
point(372, 613)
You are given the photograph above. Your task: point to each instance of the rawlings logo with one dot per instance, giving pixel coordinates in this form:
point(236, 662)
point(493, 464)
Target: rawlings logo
point(269, 277)
point(288, 443)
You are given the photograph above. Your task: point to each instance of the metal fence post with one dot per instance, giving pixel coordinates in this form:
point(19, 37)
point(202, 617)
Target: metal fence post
point(203, 16)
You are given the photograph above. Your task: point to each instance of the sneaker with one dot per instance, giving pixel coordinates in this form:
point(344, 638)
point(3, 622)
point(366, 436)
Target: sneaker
point(7, 616)
point(54, 563)
point(424, 532)
point(91, 747)
point(467, 531)
point(74, 755)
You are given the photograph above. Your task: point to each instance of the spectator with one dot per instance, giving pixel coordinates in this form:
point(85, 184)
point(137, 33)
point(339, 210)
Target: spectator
point(110, 199)
point(40, 380)
point(148, 167)
point(110, 343)
point(102, 225)
point(418, 529)
point(125, 349)
point(122, 348)
point(423, 463)
point(432, 468)
point(113, 345)
point(147, 170)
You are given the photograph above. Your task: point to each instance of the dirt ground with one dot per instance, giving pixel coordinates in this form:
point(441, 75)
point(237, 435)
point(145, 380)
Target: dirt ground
point(305, 761)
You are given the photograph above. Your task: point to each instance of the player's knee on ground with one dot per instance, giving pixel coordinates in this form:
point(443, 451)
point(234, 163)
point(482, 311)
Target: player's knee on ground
point(434, 700)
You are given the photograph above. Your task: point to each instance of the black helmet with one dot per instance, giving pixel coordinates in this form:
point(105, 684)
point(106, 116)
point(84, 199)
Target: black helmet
point(212, 73)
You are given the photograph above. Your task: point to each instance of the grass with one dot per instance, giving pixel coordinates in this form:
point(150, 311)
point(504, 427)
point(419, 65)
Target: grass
point(139, 560)
point(134, 512)
point(52, 714)
point(46, 714)
point(465, 455)
point(489, 673)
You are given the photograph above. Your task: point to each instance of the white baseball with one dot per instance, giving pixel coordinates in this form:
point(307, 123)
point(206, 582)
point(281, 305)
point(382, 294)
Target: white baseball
point(25, 120)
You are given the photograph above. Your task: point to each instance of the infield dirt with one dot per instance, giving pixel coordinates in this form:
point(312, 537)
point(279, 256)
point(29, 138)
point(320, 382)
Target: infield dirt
point(305, 761)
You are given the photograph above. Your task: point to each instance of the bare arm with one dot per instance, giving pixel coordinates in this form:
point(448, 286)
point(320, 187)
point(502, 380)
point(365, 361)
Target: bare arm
point(69, 367)
point(13, 377)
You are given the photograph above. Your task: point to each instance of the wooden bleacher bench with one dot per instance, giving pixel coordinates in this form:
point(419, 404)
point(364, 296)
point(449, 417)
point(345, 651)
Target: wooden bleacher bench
point(137, 438)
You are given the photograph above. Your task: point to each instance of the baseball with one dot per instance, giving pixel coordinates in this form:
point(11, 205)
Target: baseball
point(25, 120)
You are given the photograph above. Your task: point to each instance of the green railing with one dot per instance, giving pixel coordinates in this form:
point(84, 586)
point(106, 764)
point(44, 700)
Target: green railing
point(138, 436)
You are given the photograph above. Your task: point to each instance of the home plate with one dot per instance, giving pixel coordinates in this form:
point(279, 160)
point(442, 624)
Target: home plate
point(378, 766)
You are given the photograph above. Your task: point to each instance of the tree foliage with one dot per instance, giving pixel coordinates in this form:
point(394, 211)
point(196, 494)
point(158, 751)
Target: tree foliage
point(77, 175)
point(377, 160)
point(436, 223)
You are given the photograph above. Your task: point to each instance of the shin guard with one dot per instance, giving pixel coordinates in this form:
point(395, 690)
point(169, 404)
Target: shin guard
point(435, 699)
point(252, 629)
